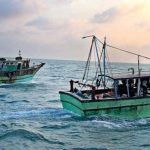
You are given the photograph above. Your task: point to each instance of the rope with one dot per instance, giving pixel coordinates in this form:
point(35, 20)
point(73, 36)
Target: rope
point(127, 51)
point(88, 62)
point(123, 50)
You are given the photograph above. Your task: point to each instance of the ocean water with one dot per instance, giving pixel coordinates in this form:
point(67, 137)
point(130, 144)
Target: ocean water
point(32, 117)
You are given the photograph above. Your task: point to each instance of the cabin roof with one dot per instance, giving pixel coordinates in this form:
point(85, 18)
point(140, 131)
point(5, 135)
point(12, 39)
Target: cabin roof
point(130, 76)
point(11, 60)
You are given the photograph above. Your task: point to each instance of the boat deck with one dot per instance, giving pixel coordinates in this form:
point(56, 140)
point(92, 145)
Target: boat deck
point(100, 95)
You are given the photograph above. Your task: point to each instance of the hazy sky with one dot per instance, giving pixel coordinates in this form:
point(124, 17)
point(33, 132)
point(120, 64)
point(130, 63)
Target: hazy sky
point(52, 29)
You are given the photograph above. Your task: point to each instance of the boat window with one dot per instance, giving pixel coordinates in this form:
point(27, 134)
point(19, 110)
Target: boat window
point(19, 66)
point(127, 88)
point(122, 89)
point(144, 86)
point(132, 87)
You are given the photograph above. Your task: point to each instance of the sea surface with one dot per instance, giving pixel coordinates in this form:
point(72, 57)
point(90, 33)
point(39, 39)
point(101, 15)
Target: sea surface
point(32, 117)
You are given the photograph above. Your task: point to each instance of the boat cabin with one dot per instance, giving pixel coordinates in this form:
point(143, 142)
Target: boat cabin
point(126, 86)
point(131, 85)
point(13, 65)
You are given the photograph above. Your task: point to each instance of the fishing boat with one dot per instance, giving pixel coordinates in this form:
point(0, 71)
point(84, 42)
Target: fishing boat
point(17, 70)
point(117, 94)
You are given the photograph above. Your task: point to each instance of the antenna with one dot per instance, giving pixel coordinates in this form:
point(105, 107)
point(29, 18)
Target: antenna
point(88, 36)
point(19, 53)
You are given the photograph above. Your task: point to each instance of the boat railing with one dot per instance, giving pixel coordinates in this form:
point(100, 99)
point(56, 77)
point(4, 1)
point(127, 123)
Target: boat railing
point(93, 93)
point(79, 83)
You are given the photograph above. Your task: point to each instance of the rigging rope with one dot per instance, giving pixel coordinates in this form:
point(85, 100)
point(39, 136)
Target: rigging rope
point(99, 66)
point(88, 62)
point(127, 51)
point(109, 65)
point(123, 50)
point(99, 55)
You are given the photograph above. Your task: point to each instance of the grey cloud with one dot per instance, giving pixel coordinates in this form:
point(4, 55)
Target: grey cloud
point(40, 23)
point(43, 23)
point(105, 16)
point(61, 2)
point(11, 8)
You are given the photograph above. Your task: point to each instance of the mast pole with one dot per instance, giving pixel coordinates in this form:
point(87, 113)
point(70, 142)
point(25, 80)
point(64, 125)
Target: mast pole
point(139, 64)
point(139, 80)
point(89, 57)
point(104, 47)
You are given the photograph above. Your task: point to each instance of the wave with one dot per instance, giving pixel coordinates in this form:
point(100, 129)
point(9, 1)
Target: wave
point(13, 102)
point(124, 125)
point(56, 113)
point(31, 84)
point(23, 114)
point(28, 135)
point(56, 126)
point(24, 134)
point(3, 95)
point(53, 101)
point(3, 125)
point(145, 145)
point(92, 148)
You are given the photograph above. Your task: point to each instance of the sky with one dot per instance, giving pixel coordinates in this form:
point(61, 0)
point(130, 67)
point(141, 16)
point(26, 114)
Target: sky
point(53, 29)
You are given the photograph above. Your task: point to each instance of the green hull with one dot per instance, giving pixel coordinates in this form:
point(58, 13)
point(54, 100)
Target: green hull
point(130, 108)
point(19, 75)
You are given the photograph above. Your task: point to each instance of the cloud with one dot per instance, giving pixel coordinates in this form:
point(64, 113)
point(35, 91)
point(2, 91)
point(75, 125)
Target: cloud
point(43, 23)
point(12, 8)
point(105, 16)
point(42, 28)
point(40, 23)
point(60, 2)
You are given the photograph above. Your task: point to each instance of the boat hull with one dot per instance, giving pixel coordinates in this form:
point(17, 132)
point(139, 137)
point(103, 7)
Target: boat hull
point(132, 108)
point(19, 75)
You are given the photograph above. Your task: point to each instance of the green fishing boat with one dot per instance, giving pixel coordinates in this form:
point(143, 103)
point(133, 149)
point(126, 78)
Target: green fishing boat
point(123, 95)
point(17, 70)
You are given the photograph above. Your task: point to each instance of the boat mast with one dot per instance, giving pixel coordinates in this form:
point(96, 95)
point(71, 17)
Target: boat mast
point(139, 65)
point(89, 57)
point(98, 58)
point(139, 80)
point(104, 61)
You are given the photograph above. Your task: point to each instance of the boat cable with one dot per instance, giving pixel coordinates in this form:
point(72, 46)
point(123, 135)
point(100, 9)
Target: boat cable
point(99, 60)
point(114, 47)
point(86, 70)
point(127, 51)
point(96, 65)
point(109, 65)
point(95, 45)
point(87, 67)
